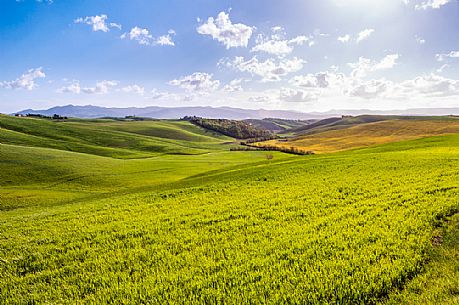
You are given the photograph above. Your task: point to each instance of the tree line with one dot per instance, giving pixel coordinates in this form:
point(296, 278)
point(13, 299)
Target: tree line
point(232, 128)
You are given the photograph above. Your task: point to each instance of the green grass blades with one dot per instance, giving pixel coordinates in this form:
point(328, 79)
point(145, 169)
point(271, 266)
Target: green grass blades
point(357, 227)
point(126, 140)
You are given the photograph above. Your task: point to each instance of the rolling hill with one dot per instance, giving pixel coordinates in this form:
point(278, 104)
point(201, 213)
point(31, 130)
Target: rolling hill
point(338, 134)
point(157, 112)
point(195, 223)
point(135, 139)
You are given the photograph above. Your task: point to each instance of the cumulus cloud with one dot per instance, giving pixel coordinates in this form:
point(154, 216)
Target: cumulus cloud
point(268, 70)
point(74, 87)
point(102, 87)
point(356, 85)
point(133, 89)
point(155, 94)
point(452, 54)
point(370, 89)
point(298, 96)
point(276, 44)
point(233, 86)
point(365, 65)
point(431, 85)
point(224, 31)
point(166, 40)
point(319, 80)
point(345, 38)
point(365, 34)
point(143, 37)
point(25, 81)
point(98, 23)
point(198, 81)
point(434, 4)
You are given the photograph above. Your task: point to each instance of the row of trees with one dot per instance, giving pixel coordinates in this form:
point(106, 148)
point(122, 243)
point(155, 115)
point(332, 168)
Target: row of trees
point(231, 128)
point(41, 116)
point(289, 150)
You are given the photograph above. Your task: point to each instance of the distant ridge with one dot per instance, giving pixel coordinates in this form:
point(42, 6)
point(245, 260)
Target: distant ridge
point(171, 113)
point(90, 111)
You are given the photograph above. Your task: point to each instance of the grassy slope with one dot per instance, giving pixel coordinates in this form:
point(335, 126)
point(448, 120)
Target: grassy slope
point(337, 123)
point(353, 227)
point(111, 138)
point(439, 283)
point(39, 173)
point(369, 134)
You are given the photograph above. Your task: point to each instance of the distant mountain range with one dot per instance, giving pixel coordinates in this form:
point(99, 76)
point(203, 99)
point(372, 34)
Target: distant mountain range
point(220, 112)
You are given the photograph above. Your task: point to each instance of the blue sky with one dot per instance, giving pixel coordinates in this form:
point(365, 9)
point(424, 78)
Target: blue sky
point(304, 55)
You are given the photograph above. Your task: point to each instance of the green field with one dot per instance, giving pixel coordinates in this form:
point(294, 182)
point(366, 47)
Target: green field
point(364, 131)
point(161, 212)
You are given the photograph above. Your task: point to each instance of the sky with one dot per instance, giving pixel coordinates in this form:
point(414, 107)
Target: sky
point(303, 55)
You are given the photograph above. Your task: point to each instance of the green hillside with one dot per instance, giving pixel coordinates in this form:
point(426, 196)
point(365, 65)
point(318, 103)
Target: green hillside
point(136, 139)
point(335, 135)
point(371, 226)
point(336, 123)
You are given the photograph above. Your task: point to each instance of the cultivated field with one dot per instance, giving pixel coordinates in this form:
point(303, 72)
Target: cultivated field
point(161, 212)
point(353, 133)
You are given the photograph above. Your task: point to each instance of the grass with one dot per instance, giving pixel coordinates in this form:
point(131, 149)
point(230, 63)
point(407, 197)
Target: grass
point(439, 283)
point(370, 226)
point(127, 140)
point(368, 134)
point(73, 175)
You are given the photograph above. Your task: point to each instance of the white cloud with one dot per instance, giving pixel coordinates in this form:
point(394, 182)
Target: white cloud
point(74, 87)
point(344, 39)
point(143, 37)
point(298, 96)
point(442, 68)
point(370, 89)
point(431, 86)
point(452, 54)
point(224, 31)
point(158, 95)
point(346, 88)
point(276, 47)
point(133, 89)
point(387, 62)
point(435, 4)
point(165, 40)
point(115, 25)
point(259, 99)
point(365, 65)
point(102, 87)
point(365, 34)
point(268, 70)
point(233, 86)
point(420, 40)
point(25, 81)
point(318, 80)
point(98, 23)
point(201, 82)
point(276, 44)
